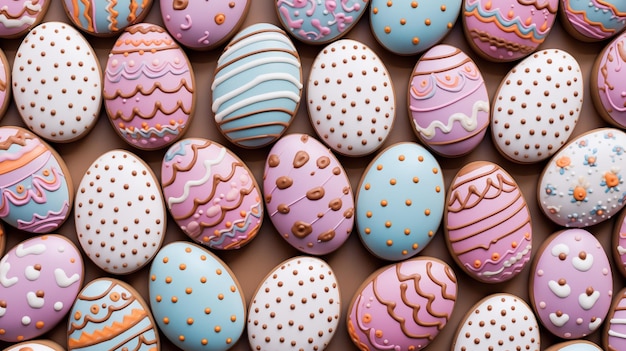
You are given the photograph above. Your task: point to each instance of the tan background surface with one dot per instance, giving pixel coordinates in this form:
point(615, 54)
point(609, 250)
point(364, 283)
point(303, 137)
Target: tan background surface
point(351, 263)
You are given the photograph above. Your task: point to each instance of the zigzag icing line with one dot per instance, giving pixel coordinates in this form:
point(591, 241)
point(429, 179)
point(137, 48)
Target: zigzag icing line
point(180, 105)
point(87, 339)
point(509, 26)
point(144, 133)
point(239, 226)
point(17, 20)
point(140, 89)
point(469, 123)
point(37, 193)
point(207, 164)
point(45, 223)
point(176, 167)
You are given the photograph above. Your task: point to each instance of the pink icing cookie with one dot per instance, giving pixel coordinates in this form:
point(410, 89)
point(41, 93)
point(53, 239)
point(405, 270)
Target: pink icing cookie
point(614, 333)
point(18, 16)
point(487, 223)
point(149, 87)
point(39, 280)
point(5, 83)
point(36, 345)
point(402, 306)
point(3, 239)
point(619, 243)
point(211, 194)
point(608, 87)
point(203, 25)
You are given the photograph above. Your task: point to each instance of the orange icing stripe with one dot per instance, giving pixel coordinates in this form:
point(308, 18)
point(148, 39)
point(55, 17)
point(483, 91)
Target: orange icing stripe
point(108, 332)
point(132, 16)
point(583, 14)
point(86, 14)
point(113, 16)
point(11, 165)
point(495, 21)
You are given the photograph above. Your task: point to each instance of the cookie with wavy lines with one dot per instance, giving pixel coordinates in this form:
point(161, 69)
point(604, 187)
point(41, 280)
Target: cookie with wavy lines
point(17, 17)
point(403, 306)
point(614, 332)
point(211, 194)
point(106, 17)
point(149, 88)
point(608, 90)
point(593, 20)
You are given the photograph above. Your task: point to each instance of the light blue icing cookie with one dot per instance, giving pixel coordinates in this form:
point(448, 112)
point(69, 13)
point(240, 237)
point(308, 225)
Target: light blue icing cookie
point(197, 302)
point(408, 27)
point(257, 86)
point(400, 201)
point(317, 21)
point(106, 17)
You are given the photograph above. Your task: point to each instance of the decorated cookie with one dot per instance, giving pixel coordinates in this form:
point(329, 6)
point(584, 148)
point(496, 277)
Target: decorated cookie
point(507, 30)
point(575, 345)
point(203, 25)
point(448, 101)
point(582, 183)
point(57, 82)
point(537, 106)
point(403, 306)
point(411, 27)
point(119, 213)
point(297, 306)
point(570, 284)
point(39, 280)
point(37, 190)
point(614, 334)
point(350, 97)
point(487, 223)
point(149, 90)
point(3, 239)
point(106, 17)
point(211, 194)
point(257, 86)
point(317, 22)
point(608, 82)
point(619, 243)
point(5, 83)
point(36, 345)
point(593, 20)
point(109, 314)
point(308, 195)
point(400, 201)
point(196, 300)
point(498, 322)
point(17, 17)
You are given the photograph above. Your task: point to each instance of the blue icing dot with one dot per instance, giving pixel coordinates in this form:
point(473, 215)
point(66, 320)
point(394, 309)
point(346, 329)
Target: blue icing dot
point(196, 301)
point(408, 27)
point(400, 201)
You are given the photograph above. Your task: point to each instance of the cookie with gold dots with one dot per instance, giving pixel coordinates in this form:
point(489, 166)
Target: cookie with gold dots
point(296, 307)
point(400, 201)
point(408, 27)
point(195, 298)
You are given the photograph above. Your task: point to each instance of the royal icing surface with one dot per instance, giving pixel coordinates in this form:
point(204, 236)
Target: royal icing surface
point(119, 213)
point(619, 243)
point(18, 16)
point(149, 89)
point(39, 280)
point(57, 84)
point(36, 345)
point(448, 101)
point(297, 306)
point(3, 238)
point(614, 334)
point(350, 97)
point(575, 345)
point(195, 298)
point(106, 17)
point(507, 30)
point(594, 20)
point(608, 89)
point(400, 201)
point(403, 306)
point(203, 25)
point(582, 183)
point(211, 194)
point(109, 314)
point(5, 83)
point(537, 106)
point(411, 27)
point(487, 223)
point(308, 195)
point(36, 187)
point(498, 322)
point(318, 22)
point(257, 86)
point(570, 284)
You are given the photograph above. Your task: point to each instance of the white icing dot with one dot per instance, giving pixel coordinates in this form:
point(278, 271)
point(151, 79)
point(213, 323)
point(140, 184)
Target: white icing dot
point(578, 238)
point(542, 304)
point(58, 306)
point(567, 335)
point(25, 320)
point(176, 60)
point(155, 62)
point(61, 248)
point(579, 321)
point(131, 63)
point(540, 272)
point(114, 63)
point(605, 271)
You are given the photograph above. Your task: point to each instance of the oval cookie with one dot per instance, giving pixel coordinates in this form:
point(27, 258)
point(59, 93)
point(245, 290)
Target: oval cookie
point(608, 88)
point(400, 201)
point(619, 243)
point(106, 17)
point(149, 88)
point(211, 194)
point(119, 213)
point(350, 97)
point(57, 83)
point(17, 17)
point(297, 305)
point(582, 184)
point(575, 345)
point(614, 333)
point(593, 20)
point(36, 345)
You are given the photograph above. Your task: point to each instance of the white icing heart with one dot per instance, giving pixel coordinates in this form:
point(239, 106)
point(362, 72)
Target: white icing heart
point(559, 249)
point(33, 300)
point(595, 324)
point(559, 321)
point(561, 291)
point(587, 301)
point(583, 265)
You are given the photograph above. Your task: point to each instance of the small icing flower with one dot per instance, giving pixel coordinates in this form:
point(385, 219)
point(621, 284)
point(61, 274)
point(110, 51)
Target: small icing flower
point(598, 210)
point(590, 160)
point(618, 150)
point(550, 190)
point(580, 191)
point(583, 143)
point(609, 135)
point(611, 180)
point(573, 217)
point(563, 163)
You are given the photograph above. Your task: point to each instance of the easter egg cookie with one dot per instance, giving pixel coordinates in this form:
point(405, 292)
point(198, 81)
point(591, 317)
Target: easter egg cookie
point(5, 84)
point(593, 20)
point(608, 82)
point(106, 17)
point(17, 17)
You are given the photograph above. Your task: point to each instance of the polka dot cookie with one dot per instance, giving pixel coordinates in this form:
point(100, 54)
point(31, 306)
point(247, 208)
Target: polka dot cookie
point(297, 307)
point(57, 84)
point(537, 106)
point(350, 97)
point(400, 201)
point(195, 298)
point(119, 213)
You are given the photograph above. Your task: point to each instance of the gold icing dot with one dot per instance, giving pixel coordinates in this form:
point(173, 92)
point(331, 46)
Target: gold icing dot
point(414, 4)
point(430, 233)
point(233, 318)
point(407, 231)
point(367, 318)
point(401, 158)
point(477, 263)
point(368, 214)
point(166, 320)
point(435, 171)
point(438, 188)
point(387, 29)
point(495, 256)
point(408, 202)
point(388, 224)
point(420, 158)
point(367, 230)
point(207, 311)
point(190, 321)
point(220, 18)
point(187, 249)
point(383, 203)
point(367, 186)
point(405, 252)
point(389, 242)
point(392, 181)
point(415, 40)
point(379, 167)
point(204, 341)
point(427, 22)
point(415, 246)
point(416, 180)
point(379, 333)
point(427, 212)
point(181, 337)
point(217, 329)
